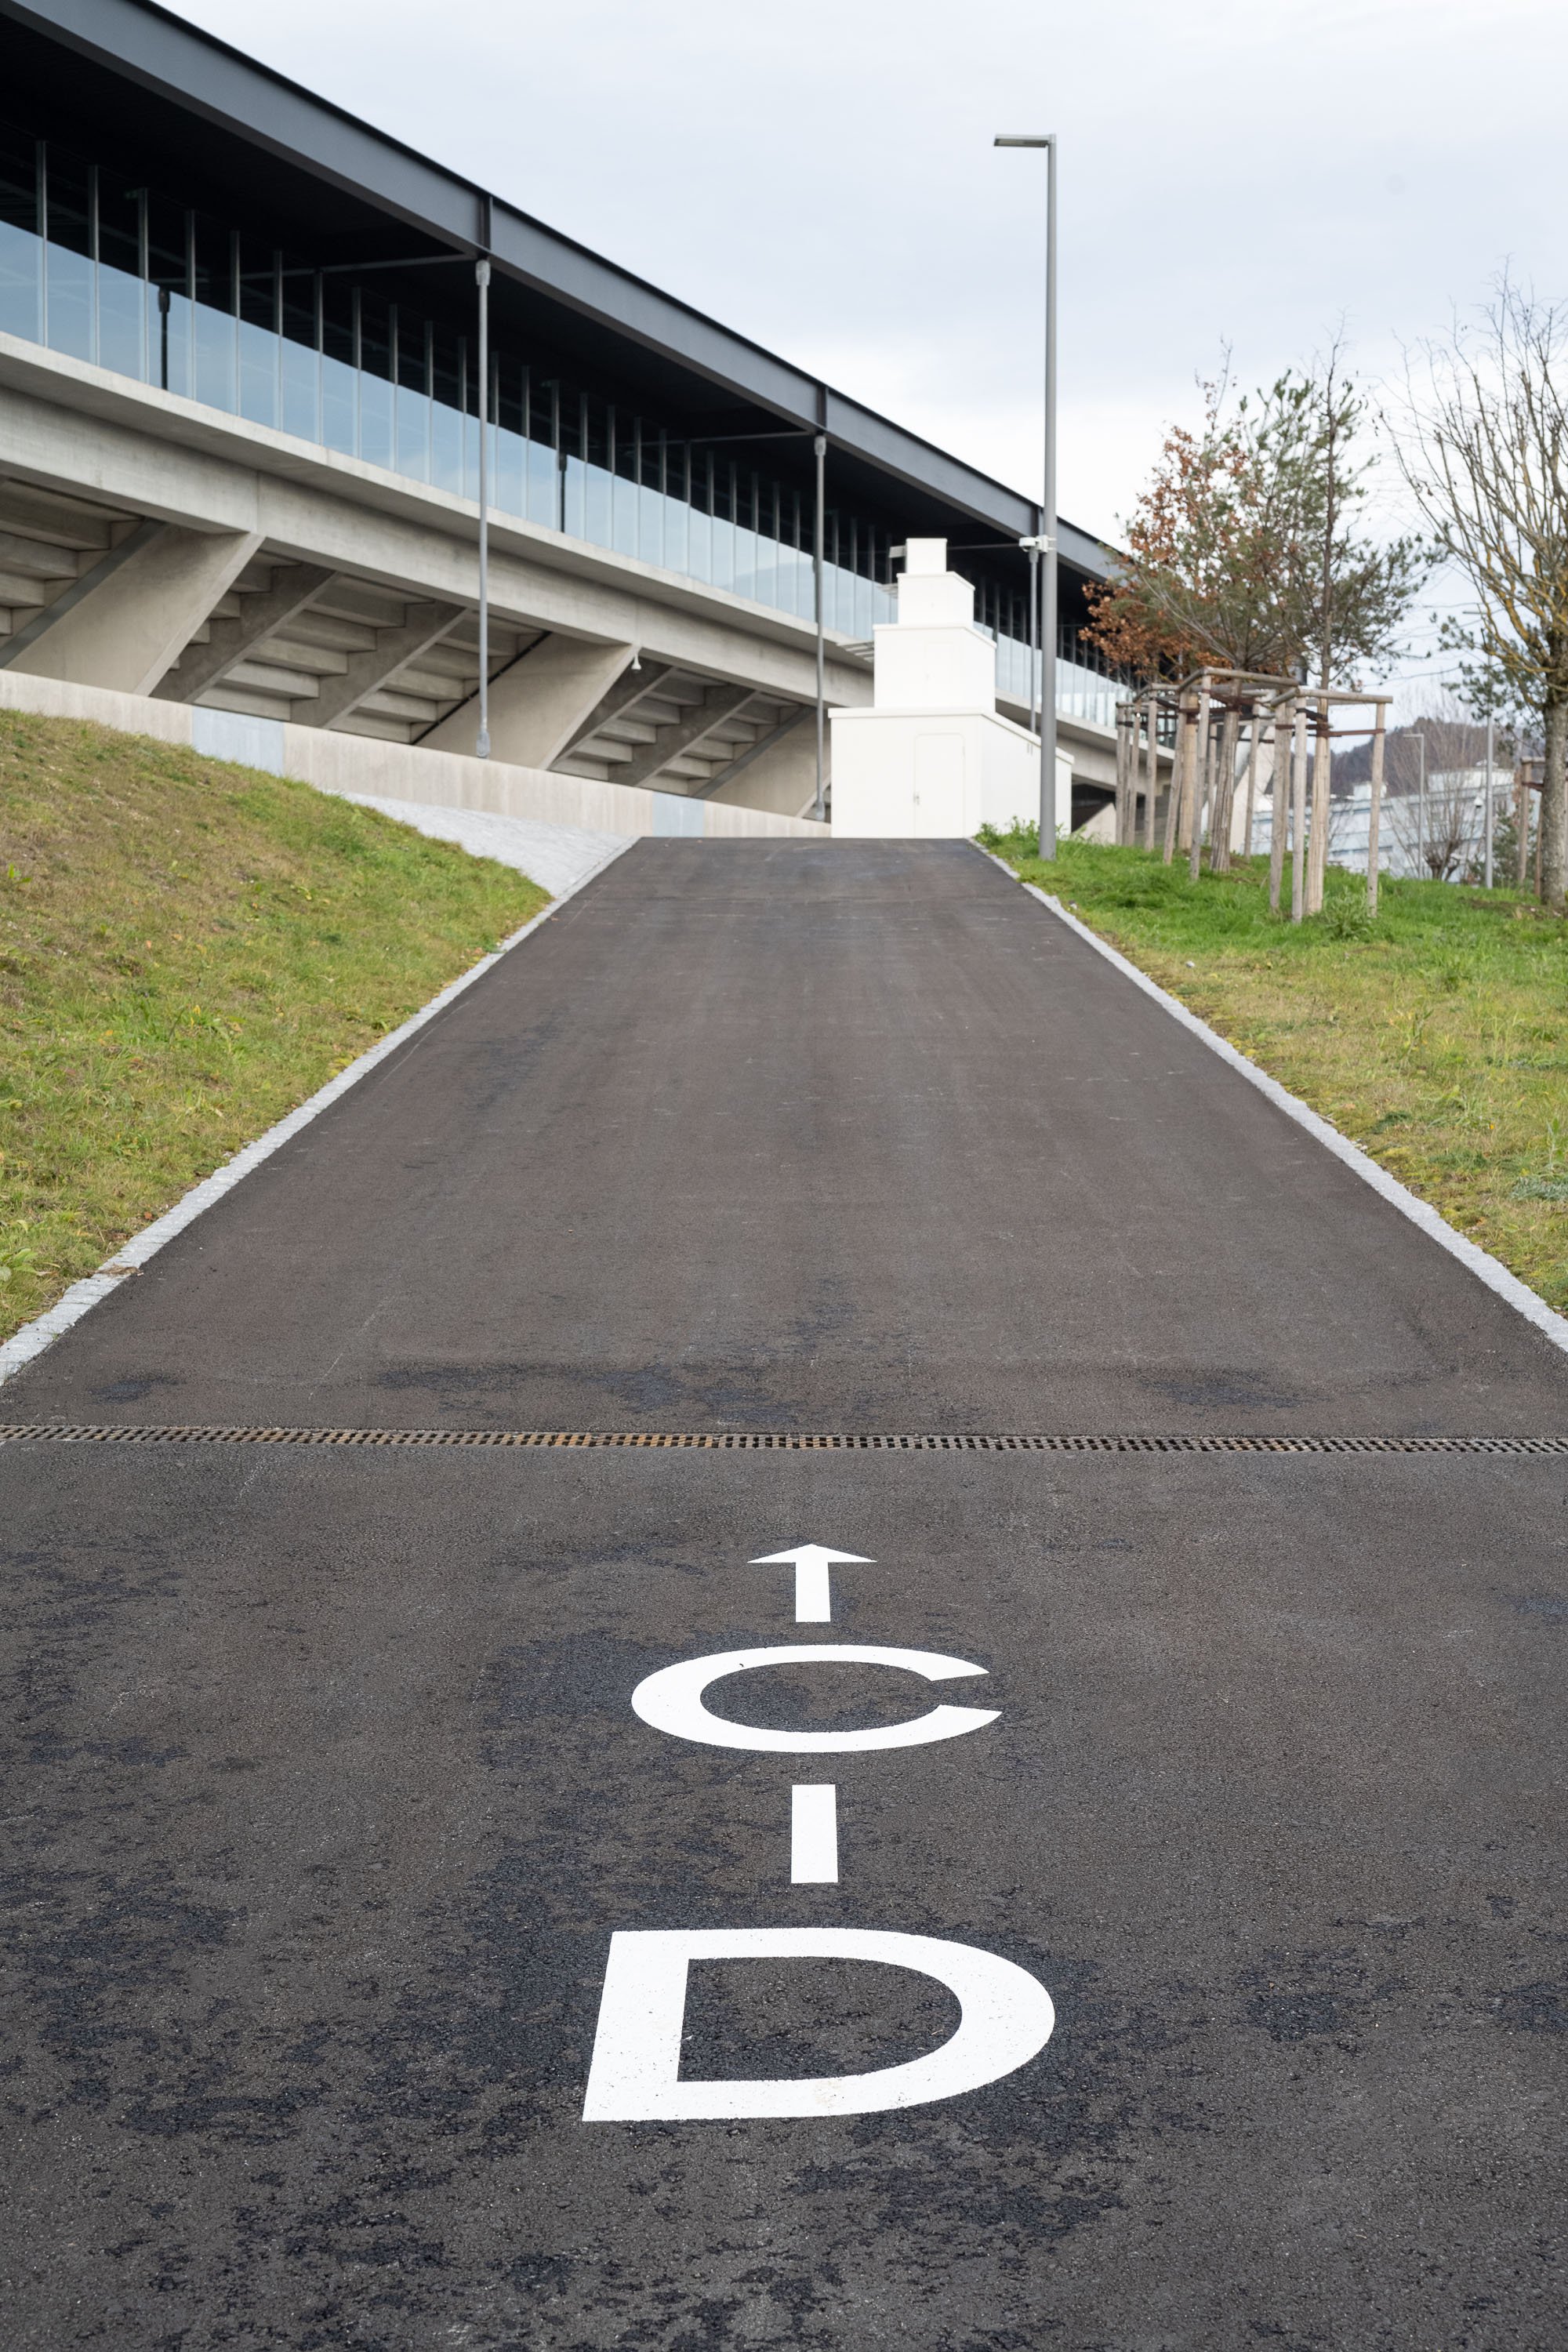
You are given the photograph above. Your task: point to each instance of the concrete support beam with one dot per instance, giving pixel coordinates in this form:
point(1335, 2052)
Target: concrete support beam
point(367, 672)
point(774, 760)
point(628, 688)
point(539, 705)
point(719, 702)
point(133, 615)
point(291, 589)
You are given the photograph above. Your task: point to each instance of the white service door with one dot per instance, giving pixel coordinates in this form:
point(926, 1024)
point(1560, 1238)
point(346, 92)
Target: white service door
point(939, 787)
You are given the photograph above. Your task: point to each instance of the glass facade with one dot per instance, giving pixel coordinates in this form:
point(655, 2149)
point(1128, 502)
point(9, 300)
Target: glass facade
point(126, 279)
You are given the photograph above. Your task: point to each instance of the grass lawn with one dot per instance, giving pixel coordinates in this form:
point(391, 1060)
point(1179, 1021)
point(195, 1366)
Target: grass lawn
point(187, 949)
point(1437, 1037)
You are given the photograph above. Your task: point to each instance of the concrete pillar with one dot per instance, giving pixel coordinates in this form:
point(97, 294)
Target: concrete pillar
point(539, 705)
point(783, 778)
point(134, 617)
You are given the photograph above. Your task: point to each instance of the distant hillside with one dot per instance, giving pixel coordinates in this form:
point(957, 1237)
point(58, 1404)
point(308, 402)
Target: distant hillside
point(1450, 744)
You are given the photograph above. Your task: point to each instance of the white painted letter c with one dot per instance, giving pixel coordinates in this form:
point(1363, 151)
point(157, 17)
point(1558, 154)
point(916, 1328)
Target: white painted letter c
point(672, 1700)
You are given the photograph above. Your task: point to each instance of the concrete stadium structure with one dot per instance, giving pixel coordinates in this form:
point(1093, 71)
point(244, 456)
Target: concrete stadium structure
point(239, 451)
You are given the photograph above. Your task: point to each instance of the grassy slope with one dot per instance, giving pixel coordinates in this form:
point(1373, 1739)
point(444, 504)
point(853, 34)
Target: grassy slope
point(187, 949)
point(1437, 1038)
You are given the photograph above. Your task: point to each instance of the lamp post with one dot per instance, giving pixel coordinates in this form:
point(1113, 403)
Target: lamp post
point(819, 805)
point(482, 281)
point(1047, 532)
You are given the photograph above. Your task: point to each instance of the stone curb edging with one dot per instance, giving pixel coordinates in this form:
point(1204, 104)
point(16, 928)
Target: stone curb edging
point(33, 1338)
point(1552, 1325)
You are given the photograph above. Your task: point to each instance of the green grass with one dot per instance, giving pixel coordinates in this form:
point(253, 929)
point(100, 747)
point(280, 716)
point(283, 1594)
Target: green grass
point(188, 950)
point(1437, 1037)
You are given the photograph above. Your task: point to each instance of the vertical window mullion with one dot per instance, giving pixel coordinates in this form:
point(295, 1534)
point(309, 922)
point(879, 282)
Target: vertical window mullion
point(41, 162)
point(144, 271)
point(463, 412)
point(93, 343)
point(394, 366)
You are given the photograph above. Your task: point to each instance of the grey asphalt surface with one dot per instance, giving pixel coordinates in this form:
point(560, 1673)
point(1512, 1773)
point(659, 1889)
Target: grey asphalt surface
point(325, 1793)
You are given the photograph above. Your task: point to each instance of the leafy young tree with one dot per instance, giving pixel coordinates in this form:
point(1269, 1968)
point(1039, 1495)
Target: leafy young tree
point(1199, 581)
point(1485, 450)
point(1243, 551)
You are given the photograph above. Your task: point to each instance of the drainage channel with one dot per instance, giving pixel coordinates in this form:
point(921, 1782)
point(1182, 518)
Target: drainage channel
point(769, 1441)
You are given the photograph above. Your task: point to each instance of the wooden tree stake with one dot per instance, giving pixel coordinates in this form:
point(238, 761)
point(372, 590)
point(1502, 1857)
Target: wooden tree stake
point(1279, 793)
point(1299, 815)
point(1224, 794)
point(1151, 778)
point(1374, 809)
point(1256, 736)
point(1322, 782)
point(1200, 766)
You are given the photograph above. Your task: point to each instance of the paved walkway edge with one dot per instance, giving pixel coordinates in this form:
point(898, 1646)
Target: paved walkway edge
point(33, 1338)
point(1488, 1269)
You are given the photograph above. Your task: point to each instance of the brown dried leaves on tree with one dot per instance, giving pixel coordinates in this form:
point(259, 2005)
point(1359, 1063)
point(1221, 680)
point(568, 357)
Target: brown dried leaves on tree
point(1239, 556)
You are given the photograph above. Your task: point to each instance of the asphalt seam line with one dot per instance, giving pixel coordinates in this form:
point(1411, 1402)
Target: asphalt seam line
point(1552, 1325)
point(31, 1340)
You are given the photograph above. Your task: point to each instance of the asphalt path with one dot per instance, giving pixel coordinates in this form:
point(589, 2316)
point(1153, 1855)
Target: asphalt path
point(327, 1793)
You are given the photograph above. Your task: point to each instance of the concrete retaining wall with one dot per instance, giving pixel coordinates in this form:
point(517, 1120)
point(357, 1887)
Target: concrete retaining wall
point(336, 762)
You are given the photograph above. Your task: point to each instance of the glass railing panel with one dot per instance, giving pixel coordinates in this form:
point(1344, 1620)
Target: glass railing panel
point(650, 525)
point(376, 420)
point(676, 535)
point(862, 608)
point(574, 503)
point(258, 373)
point(21, 283)
point(301, 390)
point(598, 487)
point(214, 357)
point(623, 536)
point(722, 543)
point(171, 345)
point(700, 545)
point(122, 322)
point(340, 406)
point(543, 485)
point(413, 414)
point(70, 302)
point(446, 468)
point(509, 473)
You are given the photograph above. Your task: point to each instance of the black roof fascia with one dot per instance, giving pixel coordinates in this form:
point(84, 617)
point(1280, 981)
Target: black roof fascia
point(165, 53)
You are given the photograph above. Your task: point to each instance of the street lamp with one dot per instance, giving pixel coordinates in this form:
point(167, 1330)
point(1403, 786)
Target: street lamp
point(1046, 548)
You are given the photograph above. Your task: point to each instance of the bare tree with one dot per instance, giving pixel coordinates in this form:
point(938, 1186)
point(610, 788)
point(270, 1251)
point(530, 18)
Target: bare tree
point(1485, 450)
point(1437, 825)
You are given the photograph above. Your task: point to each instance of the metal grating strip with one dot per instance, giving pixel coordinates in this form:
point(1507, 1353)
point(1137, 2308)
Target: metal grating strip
point(769, 1441)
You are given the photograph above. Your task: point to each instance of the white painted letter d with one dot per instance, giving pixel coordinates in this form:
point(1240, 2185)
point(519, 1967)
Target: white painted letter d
point(634, 2076)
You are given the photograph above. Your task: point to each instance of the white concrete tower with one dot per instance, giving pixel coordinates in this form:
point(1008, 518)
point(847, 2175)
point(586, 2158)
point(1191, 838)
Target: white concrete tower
point(931, 758)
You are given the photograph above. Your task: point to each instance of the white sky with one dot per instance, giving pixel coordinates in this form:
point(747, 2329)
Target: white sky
point(820, 175)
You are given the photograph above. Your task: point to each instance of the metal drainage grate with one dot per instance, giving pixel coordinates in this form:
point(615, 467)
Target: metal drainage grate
point(766, 1442)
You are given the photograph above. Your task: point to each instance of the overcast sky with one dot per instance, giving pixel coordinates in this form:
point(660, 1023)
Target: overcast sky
point(821, 176)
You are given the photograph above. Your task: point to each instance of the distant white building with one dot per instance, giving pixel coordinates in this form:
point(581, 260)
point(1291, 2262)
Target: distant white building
point(1405, 821)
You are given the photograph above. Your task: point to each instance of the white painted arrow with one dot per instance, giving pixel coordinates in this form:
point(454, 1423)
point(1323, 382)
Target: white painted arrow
point(812, 1583)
